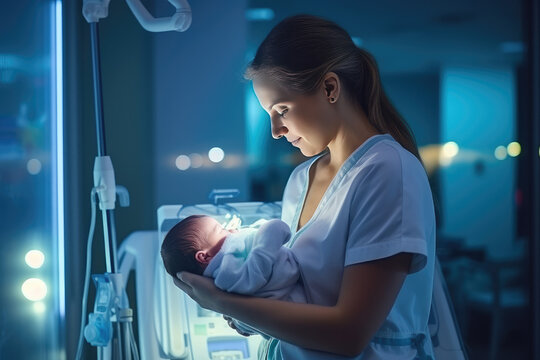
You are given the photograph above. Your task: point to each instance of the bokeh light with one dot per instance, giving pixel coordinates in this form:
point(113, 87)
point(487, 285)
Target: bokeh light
point(196, 160)
point(500, 152)
point(39, 307)
point(183, 162)
point(450, 149)
point(34, 259)
point(34, 289)
point(216, 154)
point(514, 149)
point(33, 166)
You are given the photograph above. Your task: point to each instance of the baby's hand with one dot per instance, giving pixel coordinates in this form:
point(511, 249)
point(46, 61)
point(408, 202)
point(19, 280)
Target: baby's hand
point(230, 322)
point(234, 223)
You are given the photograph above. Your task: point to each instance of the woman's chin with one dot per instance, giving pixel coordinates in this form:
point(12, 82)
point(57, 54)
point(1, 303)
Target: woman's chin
point(310, 152)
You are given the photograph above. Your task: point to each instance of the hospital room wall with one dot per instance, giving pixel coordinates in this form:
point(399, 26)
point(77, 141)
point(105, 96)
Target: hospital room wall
point(478, 112)
point(199, 103)
point(416, 96)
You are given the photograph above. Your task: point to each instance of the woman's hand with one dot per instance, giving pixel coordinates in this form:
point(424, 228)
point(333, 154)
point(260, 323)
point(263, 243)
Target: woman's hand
point(201, 289)
point(205, 293)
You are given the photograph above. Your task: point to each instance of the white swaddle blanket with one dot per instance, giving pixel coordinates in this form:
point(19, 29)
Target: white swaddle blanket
point(254, 262)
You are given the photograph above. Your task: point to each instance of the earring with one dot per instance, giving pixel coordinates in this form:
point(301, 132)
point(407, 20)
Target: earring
point(332, 100)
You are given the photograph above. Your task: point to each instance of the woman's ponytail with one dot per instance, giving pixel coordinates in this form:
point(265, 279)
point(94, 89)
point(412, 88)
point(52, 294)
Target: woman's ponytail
point(379, 109)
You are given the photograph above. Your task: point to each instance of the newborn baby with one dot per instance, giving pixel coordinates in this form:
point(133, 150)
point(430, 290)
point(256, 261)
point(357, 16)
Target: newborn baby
point(250, 261)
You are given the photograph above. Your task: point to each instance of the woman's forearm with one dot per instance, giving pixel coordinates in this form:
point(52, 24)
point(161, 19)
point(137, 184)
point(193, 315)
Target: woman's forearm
point(314, 327)
point(368, 292)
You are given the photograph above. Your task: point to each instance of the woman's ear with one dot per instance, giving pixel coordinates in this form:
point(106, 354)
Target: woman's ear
point(202, 257)
point(331, 87)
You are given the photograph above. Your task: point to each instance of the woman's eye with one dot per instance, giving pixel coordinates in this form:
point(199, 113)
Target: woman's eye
point(282, 114)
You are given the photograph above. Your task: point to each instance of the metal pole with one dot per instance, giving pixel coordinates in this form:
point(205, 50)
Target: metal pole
point(127, 340)
point(98, 97)
point(110, 251)
point(109, 231)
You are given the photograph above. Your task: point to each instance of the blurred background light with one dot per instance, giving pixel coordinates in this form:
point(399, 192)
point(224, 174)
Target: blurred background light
point(514, 149)
point(183, 162)
point(260, 14)
point(39, 307)
point(216, 154)
point(34, 289)
point(500, 152)
point(34, 259)
point(430, 155)
point(450, 149)
point(233, 161)
point(196, 160)
point(33, 166)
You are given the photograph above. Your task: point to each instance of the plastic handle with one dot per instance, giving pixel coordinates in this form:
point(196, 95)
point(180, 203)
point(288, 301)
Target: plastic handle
point(180, 21)
point(217, 194)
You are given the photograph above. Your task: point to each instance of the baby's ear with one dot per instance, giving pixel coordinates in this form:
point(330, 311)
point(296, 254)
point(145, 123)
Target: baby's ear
point(202, 257)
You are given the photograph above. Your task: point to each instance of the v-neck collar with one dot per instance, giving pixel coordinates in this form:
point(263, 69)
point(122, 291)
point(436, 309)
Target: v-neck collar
point(343, 170)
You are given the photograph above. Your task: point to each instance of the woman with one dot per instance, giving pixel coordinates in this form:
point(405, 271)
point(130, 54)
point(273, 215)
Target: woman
point(360, 210)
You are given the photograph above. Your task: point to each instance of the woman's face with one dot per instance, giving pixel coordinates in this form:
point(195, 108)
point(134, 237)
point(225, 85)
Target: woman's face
point(304, 120)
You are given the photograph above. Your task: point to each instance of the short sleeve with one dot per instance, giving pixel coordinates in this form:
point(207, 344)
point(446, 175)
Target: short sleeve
point(388, 212)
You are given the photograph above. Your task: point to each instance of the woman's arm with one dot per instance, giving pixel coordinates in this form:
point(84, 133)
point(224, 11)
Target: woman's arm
point(368, 291)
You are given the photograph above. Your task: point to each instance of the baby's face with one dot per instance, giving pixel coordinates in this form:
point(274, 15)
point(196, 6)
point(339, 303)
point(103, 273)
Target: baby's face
point(215, 233)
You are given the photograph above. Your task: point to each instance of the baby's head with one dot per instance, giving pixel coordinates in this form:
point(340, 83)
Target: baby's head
point(191, 244)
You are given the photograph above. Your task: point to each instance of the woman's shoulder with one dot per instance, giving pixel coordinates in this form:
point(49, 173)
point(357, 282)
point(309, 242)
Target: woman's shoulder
point(389, 157)
point(387, 165)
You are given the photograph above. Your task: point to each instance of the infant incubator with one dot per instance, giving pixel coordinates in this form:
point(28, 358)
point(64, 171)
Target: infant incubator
point(171, 325)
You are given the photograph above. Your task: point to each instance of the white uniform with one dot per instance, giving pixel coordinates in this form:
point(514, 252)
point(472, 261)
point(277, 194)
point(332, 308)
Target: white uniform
point(379, 204)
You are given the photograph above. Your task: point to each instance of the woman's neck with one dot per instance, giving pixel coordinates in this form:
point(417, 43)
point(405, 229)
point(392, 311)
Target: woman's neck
point(355, 129)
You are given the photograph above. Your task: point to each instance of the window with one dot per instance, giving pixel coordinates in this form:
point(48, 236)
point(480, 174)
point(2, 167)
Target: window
point(31, 180)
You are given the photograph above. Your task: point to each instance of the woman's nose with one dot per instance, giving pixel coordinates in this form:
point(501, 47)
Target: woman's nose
point(278, 129)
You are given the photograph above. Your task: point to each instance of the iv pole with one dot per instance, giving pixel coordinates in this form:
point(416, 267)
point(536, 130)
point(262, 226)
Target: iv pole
point(104, 181)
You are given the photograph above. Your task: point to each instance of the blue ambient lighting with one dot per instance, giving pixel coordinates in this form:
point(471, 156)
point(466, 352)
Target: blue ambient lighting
point(57, 107)
point(260, 14)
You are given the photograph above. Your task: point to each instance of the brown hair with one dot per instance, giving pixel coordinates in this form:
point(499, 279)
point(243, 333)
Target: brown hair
point(180, 245)
point(301, 49)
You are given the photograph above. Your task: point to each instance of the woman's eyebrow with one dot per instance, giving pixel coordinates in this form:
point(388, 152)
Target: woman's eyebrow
point(274, 103)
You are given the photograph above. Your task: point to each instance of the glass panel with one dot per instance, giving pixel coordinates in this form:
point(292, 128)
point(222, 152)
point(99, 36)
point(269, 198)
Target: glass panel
point(31, 295)
point(455, 72)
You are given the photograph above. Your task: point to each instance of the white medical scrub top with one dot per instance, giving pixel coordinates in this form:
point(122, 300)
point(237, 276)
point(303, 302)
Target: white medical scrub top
point(379, 204)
